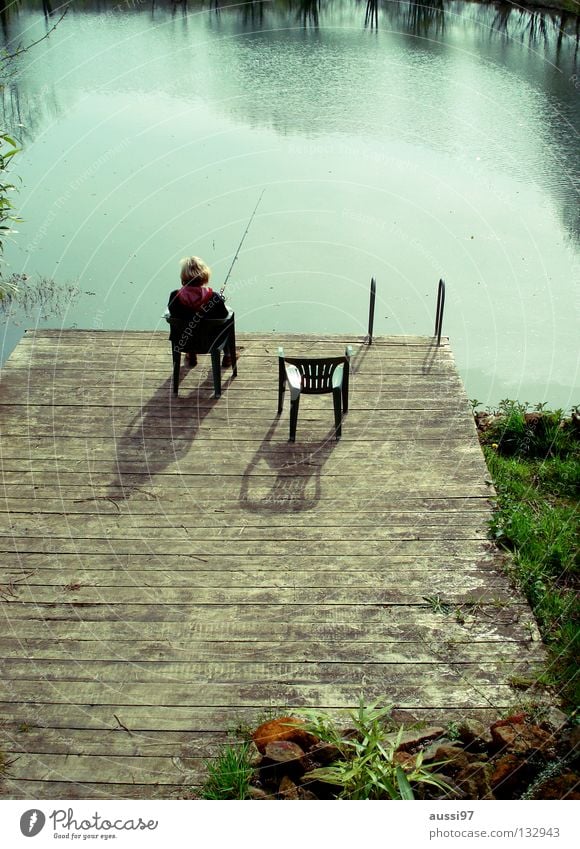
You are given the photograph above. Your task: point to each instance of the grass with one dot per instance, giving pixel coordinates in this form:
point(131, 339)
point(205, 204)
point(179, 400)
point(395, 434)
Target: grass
point(229, 774)
point(534, 460)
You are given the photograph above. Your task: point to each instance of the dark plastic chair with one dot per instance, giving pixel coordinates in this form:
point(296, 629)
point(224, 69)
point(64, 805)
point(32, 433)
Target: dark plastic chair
point(314, 377)
point(214, 336)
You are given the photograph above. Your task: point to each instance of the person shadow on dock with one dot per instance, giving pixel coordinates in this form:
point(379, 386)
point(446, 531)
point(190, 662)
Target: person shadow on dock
point(159, 435)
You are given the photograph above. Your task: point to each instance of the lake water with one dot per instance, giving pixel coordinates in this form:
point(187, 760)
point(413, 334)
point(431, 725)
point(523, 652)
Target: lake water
point(434, 144)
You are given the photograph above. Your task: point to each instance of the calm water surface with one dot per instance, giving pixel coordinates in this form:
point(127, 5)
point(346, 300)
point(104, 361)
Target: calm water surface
point(433, 144)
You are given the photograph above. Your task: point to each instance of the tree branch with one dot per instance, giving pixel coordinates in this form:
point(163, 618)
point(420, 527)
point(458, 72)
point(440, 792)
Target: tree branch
point(9, 56)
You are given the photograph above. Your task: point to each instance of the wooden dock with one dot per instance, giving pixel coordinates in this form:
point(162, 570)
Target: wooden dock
point(171, 568)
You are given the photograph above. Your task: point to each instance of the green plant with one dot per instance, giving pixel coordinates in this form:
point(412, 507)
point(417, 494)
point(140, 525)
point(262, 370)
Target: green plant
point(368, 767)
point(437, 604)
point(519, 431)
point(452, 730)
point(229, 774)
point(8, 149)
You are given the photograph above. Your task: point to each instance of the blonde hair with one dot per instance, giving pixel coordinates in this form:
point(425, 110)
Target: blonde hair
point(194, 270)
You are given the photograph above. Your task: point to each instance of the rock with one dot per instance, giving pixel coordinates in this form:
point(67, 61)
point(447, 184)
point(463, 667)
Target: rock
point(284, 752)
point(324, 753)
point(520, 738)
point(287, 789)
point(474, 780)
point(514, 719)
point(431, 750)
point(453, 789)
point(404, 759)
point(474, 733)
point(306, 794)
point(510, 777)
point(565, 786)
point(454, 758)
point(285, 728)
point(413, 740)
point(556, 718)
point(350, 734)
point(568, 745)
point(257, 793)
point(253, 755)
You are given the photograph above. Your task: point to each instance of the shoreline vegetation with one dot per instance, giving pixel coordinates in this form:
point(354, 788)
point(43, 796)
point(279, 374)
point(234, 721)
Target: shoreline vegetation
point(533, 456)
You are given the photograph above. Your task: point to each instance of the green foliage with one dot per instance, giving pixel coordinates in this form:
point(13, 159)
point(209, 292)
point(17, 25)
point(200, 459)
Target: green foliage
point(8, 149)
point(368, 768)
point(229, 774)
point(438, 604)
point(452, 731)
point(519, 431)
point(537, 519)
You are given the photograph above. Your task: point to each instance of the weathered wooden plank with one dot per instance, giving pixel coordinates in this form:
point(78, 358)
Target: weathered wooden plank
point(411, 565)
point(409, 544)
point(418, 580)
point(169, 490)
point(396, 473)
point(416, 625)
point(137, 420)
point(456, 691)
point(82, 439)
point(457, 591)
point(83, 338)
point(192, 720)
point(420, 526)
point(252, 357)
point(191, 398)
point(230, 620)
point(369, 511)
point(116, 743)
point(47, 789)
point(175, 676)
point(91, 768)
point(389, 650)
point(50, 790)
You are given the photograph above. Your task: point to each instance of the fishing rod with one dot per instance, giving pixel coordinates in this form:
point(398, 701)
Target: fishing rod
point(242, 242)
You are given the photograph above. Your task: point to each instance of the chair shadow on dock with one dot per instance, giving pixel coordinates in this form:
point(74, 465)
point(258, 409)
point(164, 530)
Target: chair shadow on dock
point(297, 486)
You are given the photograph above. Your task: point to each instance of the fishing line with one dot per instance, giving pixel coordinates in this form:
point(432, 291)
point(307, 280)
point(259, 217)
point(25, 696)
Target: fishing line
point(242, 242)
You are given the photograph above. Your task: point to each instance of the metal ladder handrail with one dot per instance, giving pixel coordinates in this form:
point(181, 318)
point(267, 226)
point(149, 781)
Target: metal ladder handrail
point(439, 310)
point(372, 310)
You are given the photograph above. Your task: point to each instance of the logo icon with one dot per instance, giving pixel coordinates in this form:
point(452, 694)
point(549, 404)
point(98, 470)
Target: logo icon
point(32, 822)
